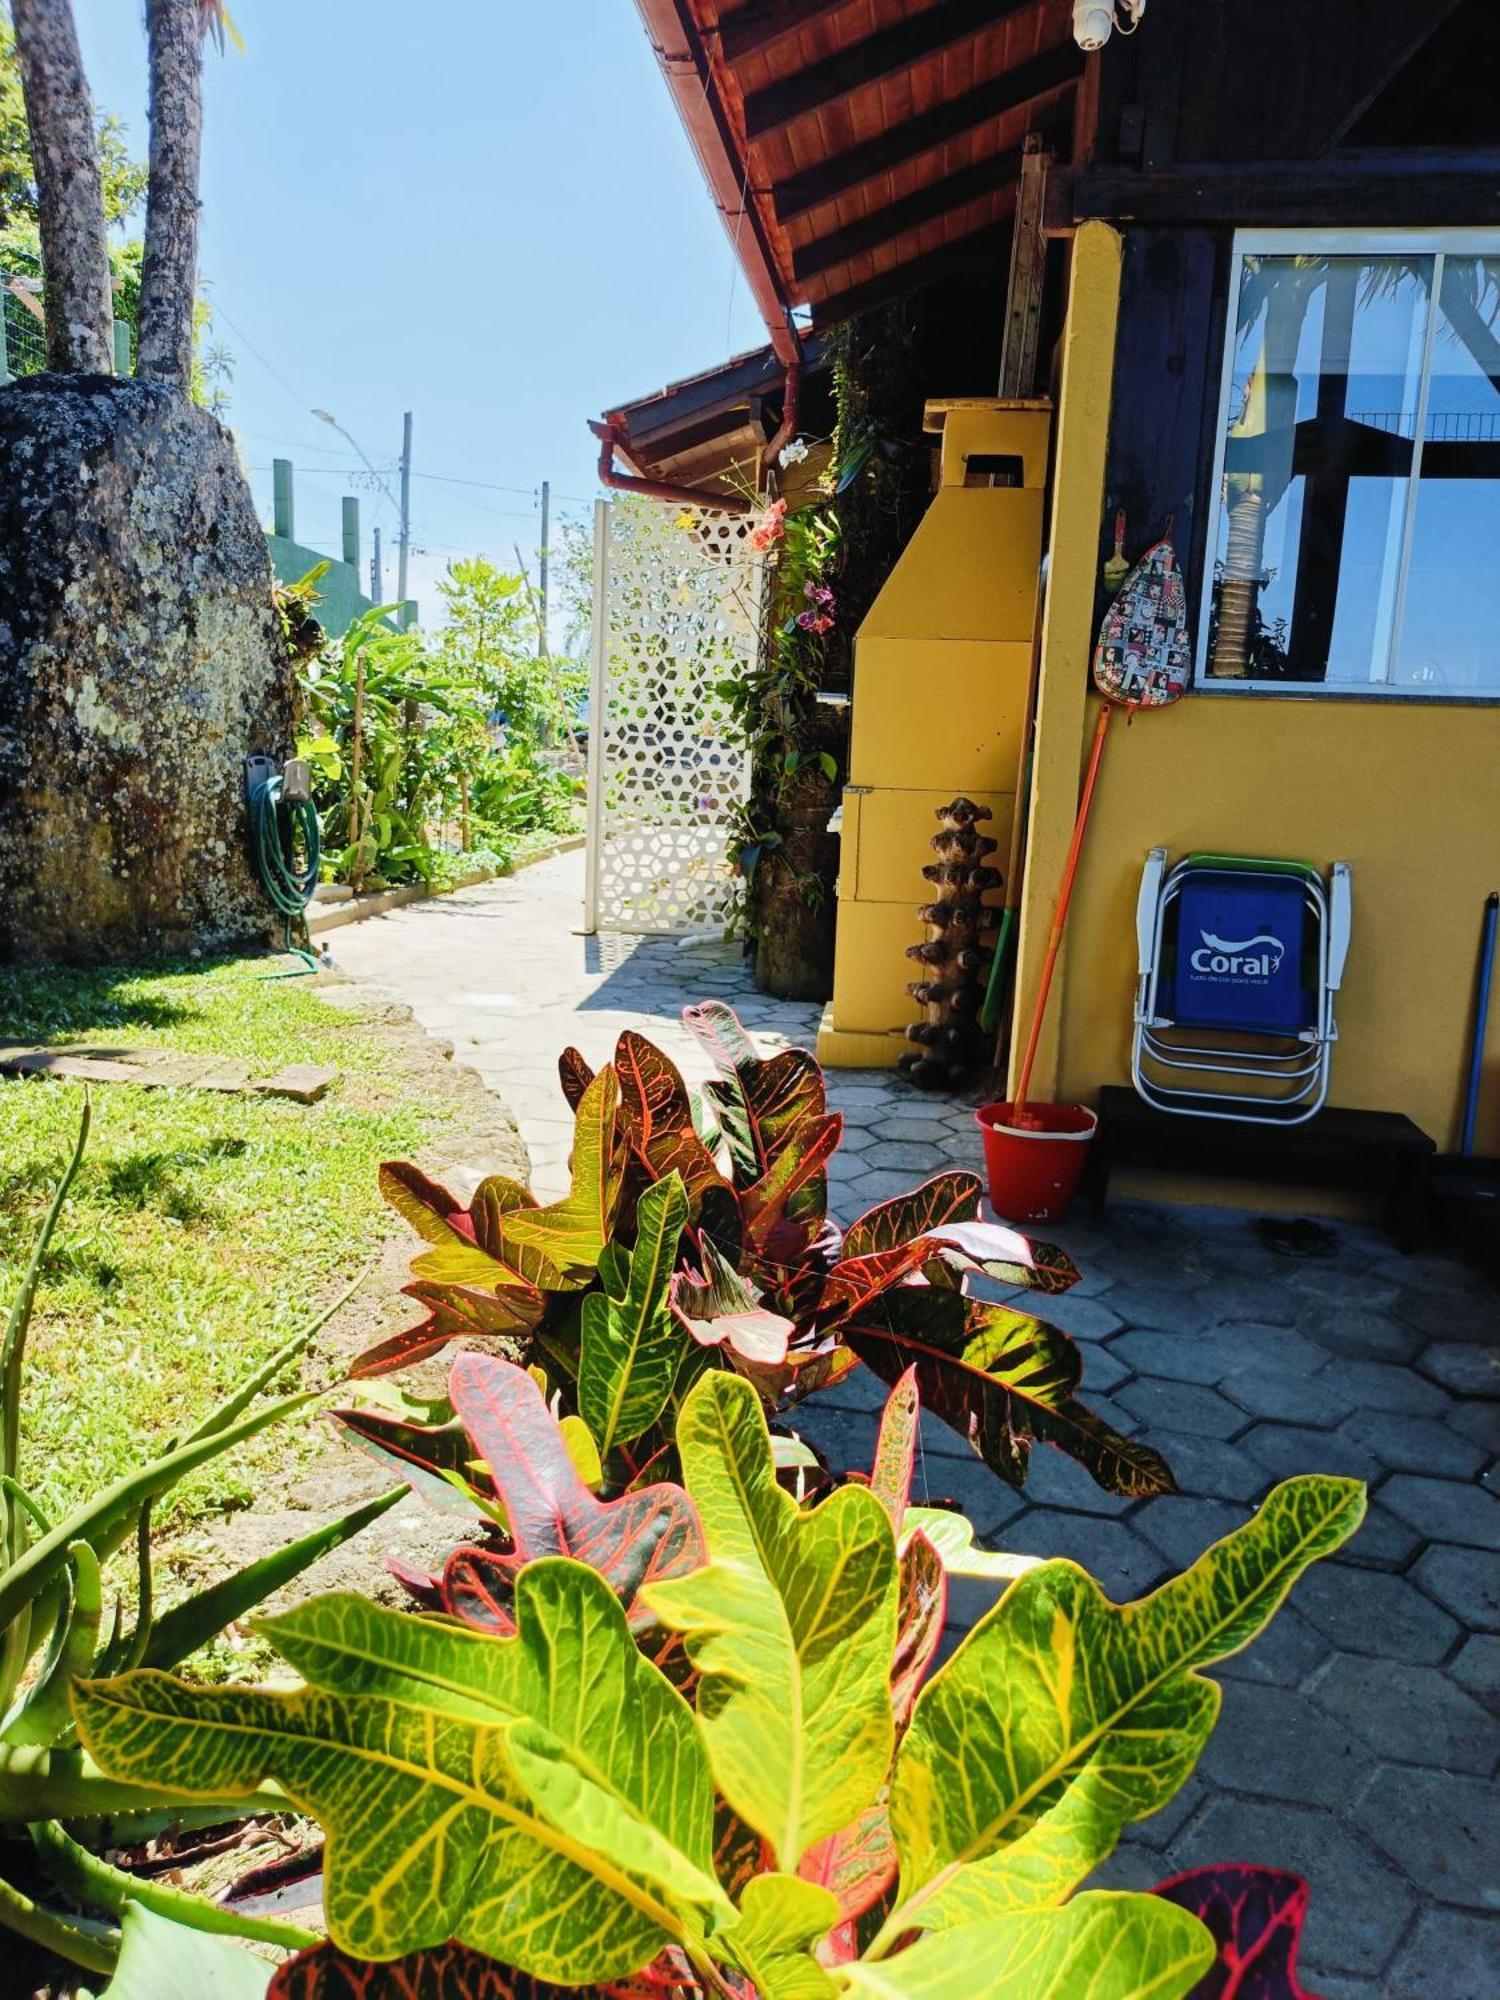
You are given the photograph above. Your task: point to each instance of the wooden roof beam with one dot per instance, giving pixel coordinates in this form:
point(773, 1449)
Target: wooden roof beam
point(1053, 70)
point(747, 30)
point(1369, 187)
point(988, 243)
point(883, 225)
point(881, 55)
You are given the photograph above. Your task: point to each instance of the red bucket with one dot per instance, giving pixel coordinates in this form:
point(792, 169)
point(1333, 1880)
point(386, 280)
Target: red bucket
point(1034, 1170)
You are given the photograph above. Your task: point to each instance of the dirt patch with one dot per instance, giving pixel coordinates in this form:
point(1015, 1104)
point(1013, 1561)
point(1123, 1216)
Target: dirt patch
point(329, 1478)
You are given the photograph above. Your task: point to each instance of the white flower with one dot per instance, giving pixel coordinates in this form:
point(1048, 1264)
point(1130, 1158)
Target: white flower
point(793, 453)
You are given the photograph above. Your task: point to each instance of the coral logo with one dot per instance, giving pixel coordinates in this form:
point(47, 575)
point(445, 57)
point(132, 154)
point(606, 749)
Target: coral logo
point(1251, 958)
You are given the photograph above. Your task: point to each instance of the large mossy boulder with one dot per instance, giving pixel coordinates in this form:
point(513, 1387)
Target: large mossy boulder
point(141, 661)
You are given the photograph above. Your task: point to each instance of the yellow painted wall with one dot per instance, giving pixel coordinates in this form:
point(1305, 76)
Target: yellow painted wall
point(1407, 792)
point(941, 669)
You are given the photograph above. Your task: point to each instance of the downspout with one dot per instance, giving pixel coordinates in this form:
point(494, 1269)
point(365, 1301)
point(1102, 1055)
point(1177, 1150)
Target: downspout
point(786, 430)
point(658, 489)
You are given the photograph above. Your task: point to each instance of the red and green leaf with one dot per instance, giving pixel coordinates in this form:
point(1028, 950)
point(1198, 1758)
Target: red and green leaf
point(447, 1972)
point(575, 1076)
point(436, 1461)
point(787, 1204)
point(1007, 1255)
point(896, 1448)
point(455, 1312)
point(856, 1865)
point(722, 1309)
point(1002, 1380)
point(949, 1197)
point(558, 1247)
point(646, 1536)
point(1256, 1916)
point(921, 1611)
point(657, 1117)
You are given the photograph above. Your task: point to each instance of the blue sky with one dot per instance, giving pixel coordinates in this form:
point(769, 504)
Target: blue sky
point(484, 211)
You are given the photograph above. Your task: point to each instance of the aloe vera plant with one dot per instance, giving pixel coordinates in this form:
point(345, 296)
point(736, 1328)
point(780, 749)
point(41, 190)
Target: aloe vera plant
point(814, 1812)
point(679, 1250)
point(53, 1628)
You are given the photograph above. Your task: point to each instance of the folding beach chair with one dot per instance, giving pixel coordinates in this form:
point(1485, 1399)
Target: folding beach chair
point(1238, 961)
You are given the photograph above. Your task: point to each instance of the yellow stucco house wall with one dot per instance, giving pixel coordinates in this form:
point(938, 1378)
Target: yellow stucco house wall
point(1407, 792)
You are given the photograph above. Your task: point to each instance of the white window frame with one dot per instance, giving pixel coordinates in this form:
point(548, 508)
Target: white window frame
point(1435, 243)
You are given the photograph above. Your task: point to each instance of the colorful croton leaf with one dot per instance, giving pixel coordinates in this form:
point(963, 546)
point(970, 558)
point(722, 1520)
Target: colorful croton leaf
point(544, 1799)
point(452, 1972)
point(1063, 1716)
point(648, 1534)
point(1255, 1917)
point(754, 1274)
point(794, 1618)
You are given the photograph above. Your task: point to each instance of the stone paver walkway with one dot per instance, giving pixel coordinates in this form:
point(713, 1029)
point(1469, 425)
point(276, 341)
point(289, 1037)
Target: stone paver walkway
point(1358, 1741)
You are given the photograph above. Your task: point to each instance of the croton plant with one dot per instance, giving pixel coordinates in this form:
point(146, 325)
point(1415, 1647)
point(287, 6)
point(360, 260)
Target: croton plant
point(660, 1264)
point(700, 1748)
point(671, 1722)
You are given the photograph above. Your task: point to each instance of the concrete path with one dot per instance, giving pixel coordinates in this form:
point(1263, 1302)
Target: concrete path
point(1358, 1741)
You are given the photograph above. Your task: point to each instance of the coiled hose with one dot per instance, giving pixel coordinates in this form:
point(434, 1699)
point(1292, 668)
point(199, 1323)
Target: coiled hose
point(276, 829)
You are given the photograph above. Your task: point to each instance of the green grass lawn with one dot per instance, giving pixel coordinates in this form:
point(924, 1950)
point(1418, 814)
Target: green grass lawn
point(202, 1229)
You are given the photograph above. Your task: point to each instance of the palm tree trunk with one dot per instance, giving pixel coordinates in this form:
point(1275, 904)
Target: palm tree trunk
point(70, 192)
point(169, 270)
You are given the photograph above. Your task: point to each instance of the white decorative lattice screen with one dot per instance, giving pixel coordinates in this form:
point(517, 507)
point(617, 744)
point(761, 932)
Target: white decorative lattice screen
point(676, 614)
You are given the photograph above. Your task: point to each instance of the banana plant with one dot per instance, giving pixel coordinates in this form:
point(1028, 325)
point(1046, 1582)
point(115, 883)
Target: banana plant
point(53, 1628)
point(540, 1807)
point(679, 1250)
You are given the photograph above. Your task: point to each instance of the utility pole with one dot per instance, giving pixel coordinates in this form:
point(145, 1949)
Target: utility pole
point(405, 552)
point(377, 582)
point(541, 563)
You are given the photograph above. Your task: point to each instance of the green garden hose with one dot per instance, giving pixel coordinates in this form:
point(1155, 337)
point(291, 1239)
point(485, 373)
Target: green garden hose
point(276, 831)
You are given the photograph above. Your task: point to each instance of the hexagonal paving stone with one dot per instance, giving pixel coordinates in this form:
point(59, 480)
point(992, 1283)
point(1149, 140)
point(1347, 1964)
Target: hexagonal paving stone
point(1413, 1714)
point(1208, 1467)
point(1083, 1318)
point(909, 1129)
point(1340, 1286)
point(1057, 1481)
point(1439, 1827)
point(1181, 1406)
point(1275, 1743)
point(1466, 1370)
point(1448, 1952)
point(1477, 1667)
point(1365, 1611)
point(1163, 1305)
point(1360, 1906)
point(1287, 1449)
point(1176, 1357)
point(1444, 1510)
point(855, 1139)
point(1258, 1344)
point(1381, 1541)
point(1182, 1529)
point(1101, 1369)
point(1467, 1581)
point(871, 1188)
point(1259, 1300)
point(1450, 1316)
point(1362, 1333)
point(1125, 1564)
point(1415, 1444)
point(1285, 1654)
point(1319, 1401)
point(1479, 1422)
point(1385, 1385)
point(905, 1156)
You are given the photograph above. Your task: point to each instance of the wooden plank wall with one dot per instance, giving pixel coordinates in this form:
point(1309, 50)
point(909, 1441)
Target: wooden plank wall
point(1168, 357)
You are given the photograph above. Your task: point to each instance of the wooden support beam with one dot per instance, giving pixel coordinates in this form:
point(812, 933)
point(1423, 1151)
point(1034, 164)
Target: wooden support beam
point(884, 225)
point(1053, 70)
point(748, 30)
point(887, 53)
point(1028, 273)
point(1377, 188)
point(978, 246)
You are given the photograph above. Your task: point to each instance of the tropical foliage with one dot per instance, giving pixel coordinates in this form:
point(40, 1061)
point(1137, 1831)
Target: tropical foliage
point(408, 737)
point(660, 1265)
point(730, 1769)
point(56, 1624)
